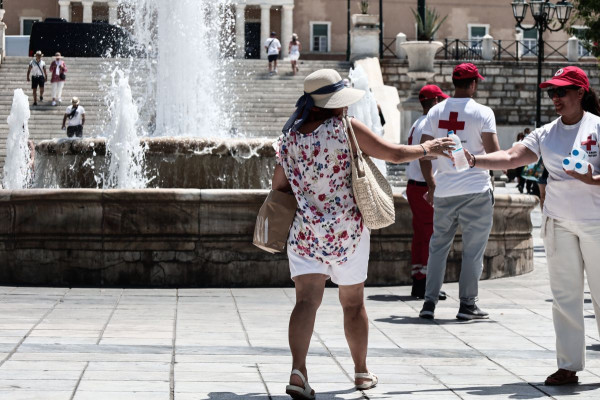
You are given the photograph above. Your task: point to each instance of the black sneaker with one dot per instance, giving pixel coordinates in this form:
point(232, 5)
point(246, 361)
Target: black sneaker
point(428, 310)
point(442, 295)
point(35, 103)
point(41, 98)
point(467, 313)
point(418, 288)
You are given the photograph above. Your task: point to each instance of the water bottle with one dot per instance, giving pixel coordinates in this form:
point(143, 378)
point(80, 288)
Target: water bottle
point(568, 164)
point(579, 154)
point(460, 160)
point(581, 167)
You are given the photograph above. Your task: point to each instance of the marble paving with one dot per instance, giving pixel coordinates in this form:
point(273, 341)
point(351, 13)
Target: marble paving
point(231, 344)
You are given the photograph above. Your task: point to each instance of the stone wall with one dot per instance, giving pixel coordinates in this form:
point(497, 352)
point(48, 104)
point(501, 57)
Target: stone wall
point(509, 88)
point(200, 238)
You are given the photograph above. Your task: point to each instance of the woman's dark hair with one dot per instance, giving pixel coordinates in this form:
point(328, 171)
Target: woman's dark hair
point(294, 40)
point(590, 102)
point(520, 136)
point(321, 114)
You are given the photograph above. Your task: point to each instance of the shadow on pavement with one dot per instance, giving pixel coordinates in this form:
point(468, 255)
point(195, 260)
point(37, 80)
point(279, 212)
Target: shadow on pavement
point(390, 297)
point(511, 390)
point(262, 396)
point(403, 320)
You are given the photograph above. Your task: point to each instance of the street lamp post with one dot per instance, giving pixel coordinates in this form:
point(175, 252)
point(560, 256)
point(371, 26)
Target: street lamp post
point(543, 12)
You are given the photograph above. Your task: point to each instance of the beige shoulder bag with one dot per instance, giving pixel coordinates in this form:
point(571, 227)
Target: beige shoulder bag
point(372, 192)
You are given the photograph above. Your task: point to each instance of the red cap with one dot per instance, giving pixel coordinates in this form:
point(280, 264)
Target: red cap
point(568, 76)
point(431, 92)
point(466, 71)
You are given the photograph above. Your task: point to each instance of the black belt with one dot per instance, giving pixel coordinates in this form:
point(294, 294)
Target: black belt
point(416, 183)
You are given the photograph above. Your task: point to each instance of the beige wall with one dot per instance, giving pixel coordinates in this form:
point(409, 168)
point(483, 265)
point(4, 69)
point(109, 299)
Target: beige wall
point(15, 9)
point(399, 18)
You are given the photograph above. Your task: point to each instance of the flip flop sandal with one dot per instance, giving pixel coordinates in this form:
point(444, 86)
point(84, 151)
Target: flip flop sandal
point(561, 377)
point(367, 385)
point(300, 393)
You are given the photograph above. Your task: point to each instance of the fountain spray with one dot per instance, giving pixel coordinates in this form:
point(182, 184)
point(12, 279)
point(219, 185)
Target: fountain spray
point(17, 167)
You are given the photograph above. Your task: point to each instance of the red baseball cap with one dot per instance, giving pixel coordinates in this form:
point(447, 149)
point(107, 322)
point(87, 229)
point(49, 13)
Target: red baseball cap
point(466, 71)
point(568, 76)
point(431, 92)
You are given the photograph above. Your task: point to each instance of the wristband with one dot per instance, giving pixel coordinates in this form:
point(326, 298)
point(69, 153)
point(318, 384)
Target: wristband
point(474, 161)
point(424, 151)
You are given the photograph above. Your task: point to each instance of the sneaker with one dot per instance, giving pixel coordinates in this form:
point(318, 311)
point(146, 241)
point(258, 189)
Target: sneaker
point(428, 310)
point(418, 288)
point(467, 313)
point(59, 102)
point(41, 98)
point(442, 295)
point(54, 103)
point(35, 103)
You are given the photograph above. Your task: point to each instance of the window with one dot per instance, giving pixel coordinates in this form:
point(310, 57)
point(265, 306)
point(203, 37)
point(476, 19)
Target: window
point(27, 23)
point(476, 34)
point(320, 36)
point(580, 32)
point(529, 42)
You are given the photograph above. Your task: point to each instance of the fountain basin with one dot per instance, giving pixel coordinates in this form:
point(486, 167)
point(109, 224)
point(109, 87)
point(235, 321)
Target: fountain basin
point(174, 162)
point(200, 238)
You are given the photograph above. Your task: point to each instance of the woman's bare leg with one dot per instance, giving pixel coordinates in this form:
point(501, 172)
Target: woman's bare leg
point(356, 325)
point(309, 293)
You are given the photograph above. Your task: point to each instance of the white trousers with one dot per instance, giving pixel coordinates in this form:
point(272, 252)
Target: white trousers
point(57, 88)
point(571, 249)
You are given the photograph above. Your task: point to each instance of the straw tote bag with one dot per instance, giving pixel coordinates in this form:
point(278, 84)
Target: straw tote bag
point(372, 192)
point(274, 220)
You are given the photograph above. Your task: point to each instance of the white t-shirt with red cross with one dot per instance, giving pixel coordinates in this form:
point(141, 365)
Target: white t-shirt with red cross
point(468, 119)
point(413, 171)
point(568, 198)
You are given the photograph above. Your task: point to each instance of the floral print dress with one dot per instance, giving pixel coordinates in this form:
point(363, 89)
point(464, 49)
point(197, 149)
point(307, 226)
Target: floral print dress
point(328, 225)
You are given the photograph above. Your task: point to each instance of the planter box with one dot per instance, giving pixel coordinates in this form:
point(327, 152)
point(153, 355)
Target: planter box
point(365, 20)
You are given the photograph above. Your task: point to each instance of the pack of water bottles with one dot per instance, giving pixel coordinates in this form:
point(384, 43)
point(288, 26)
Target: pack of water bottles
point(577, 161)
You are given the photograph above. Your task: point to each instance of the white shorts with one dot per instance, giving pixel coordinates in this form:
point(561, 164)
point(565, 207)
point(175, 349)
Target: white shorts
point(352, 272)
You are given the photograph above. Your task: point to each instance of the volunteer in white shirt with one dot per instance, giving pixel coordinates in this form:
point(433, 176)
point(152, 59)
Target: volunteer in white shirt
point(39, 76)
point(76, 116)
point(416, 189)
point(571, 215)
point(460, 198)
point(273, 47)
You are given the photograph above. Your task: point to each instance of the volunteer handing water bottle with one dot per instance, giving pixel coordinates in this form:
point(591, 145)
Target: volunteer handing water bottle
point(571, 222)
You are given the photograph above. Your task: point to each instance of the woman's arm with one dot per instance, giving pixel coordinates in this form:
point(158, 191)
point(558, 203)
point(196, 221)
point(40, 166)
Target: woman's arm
point(375, 146)
point(280, 181)
point(516, 156)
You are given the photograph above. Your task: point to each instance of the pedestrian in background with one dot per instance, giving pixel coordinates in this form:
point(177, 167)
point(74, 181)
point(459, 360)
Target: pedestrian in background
point(294, 49)
point(37, 75)
point(273, 47)
point(58, 68)
point(76, 115)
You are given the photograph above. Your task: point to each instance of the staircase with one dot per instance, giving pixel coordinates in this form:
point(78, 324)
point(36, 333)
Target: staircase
point(263, 106)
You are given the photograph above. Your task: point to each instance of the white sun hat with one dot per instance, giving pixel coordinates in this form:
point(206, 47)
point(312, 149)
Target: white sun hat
point(338, 99)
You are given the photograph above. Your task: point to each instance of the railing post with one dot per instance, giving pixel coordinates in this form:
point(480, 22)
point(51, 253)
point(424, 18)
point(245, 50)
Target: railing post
point(446, 49)
point(456, 53)
point(499, 56)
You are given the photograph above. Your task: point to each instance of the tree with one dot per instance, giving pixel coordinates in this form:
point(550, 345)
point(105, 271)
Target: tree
point(587, 12)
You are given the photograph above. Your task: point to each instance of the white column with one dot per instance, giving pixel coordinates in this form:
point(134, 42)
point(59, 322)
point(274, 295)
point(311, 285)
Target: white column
point(487, 48)
point(287, 27)
point(240, 30)
point(573, 49)
point(265, 27)
point(113, 12)
point(65, 9)
point(87, 11)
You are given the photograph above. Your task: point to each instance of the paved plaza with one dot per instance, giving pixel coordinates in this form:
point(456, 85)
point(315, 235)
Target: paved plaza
point(150, 344)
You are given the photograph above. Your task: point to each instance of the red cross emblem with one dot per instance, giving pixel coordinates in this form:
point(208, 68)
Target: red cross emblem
point(453, 124)
point(589, 142)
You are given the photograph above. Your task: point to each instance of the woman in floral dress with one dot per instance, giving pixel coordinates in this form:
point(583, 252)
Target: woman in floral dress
point(327, 238)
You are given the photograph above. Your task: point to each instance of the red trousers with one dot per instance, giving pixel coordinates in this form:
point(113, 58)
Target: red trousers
point(422, 223)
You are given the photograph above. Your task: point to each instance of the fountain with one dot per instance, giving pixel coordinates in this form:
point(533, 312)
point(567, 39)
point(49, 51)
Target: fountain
point(17, 168)
point(169, 196)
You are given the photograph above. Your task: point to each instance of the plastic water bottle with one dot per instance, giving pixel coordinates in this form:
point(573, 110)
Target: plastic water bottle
point(569, 164)
point(579, 154)
point(460, 160)
point(581, 167)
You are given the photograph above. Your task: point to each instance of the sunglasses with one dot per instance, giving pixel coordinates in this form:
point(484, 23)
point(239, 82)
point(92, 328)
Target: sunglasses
point(560, 91)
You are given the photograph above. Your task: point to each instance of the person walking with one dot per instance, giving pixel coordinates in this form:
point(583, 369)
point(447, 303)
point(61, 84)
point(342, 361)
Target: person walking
point(58, 69)
point(327, 238)
point(416, 192)
point(463, 198)
point(273, 47)
point(76, 115)
point(571, 216)
point(37, 75)
point(294, 49)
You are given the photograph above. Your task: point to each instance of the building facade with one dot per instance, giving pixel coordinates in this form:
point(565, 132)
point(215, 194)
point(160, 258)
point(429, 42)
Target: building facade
point(322, 25)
